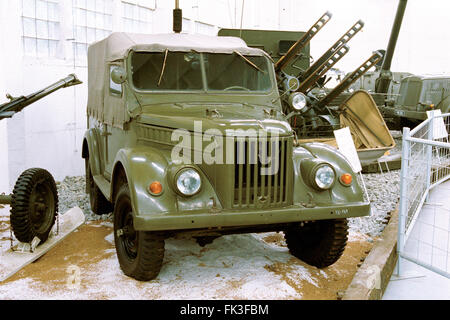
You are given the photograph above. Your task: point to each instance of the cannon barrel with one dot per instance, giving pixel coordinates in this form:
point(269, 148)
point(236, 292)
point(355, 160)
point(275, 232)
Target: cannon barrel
point(8, 109)
point(332, 51)
point(302, 42)
point(349, 79)
point(311, 81)
point(384, 80)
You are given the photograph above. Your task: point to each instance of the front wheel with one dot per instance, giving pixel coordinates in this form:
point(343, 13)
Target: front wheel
point(140, 253)
point(318, 243)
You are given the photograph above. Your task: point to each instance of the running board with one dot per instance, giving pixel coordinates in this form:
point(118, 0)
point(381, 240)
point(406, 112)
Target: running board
point(13, 261)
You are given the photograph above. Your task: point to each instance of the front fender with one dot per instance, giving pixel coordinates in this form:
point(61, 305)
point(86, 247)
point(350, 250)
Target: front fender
point(144, 165)
point(92, 139)
point(338, 194)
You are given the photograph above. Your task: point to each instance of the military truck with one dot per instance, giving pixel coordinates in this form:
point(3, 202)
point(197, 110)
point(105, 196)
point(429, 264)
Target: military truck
point(417, 95)
point(156, 103)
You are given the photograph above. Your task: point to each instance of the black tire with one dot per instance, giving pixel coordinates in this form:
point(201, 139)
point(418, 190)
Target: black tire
point(318, 243)
point(34, 205)
point(203, 241)
point(140, 253)
point(99, 204)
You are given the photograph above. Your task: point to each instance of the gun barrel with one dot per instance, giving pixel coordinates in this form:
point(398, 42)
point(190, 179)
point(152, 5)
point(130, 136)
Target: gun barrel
point(309, 83)
point(335, 47)
point(303, 42)
point(394, 35)
point(351, 78)
point(385, 78)
point(17, 104)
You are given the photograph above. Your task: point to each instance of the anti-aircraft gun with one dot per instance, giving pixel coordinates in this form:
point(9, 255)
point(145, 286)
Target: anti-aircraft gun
point(34, 200)
point(413, 95)
point(315, 112)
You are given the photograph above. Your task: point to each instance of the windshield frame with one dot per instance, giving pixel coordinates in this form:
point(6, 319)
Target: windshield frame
point(204, 90)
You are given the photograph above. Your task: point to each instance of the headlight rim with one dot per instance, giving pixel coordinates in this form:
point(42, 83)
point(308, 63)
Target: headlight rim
point(314, 173)
point(291, 102)
point(177, 175)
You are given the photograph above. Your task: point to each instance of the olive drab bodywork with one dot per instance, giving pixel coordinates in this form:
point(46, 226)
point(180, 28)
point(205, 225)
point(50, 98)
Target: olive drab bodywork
point(145, 92)
point(417, 95)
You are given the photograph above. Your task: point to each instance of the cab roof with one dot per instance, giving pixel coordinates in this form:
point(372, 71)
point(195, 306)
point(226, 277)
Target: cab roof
point(118, 44)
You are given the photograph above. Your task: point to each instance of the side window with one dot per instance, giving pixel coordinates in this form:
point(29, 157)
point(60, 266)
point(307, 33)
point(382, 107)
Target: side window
point(115, 89)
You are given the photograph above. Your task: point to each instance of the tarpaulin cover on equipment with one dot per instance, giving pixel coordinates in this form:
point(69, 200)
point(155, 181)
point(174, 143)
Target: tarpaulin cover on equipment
point(361, 115)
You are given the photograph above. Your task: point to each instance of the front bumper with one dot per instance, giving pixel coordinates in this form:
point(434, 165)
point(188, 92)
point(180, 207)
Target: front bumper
point(207, 219)
point(397, 112)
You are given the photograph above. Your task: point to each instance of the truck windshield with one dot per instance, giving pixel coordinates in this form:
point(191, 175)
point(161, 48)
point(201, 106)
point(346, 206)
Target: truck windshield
point(189, 71)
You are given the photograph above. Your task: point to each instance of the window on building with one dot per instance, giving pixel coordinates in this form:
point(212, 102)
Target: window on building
point(136, 17)
point(41, 27)
point(92, 22)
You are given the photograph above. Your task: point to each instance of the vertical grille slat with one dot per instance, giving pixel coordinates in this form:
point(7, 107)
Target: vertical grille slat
point(269, 177)
point(255, 178)
point(248, 174)
point(252, 188)
point(240, 163)
point(282, 169)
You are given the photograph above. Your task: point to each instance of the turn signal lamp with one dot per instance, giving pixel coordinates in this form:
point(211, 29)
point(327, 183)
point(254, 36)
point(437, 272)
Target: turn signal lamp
point(346, 179)
point(155, 188)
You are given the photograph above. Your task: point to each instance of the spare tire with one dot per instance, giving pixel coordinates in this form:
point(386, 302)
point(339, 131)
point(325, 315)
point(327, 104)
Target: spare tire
point(34, 205)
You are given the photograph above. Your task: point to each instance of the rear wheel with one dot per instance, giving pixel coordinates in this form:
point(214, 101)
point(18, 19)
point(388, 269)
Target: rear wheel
point(140, 253)
point(34, 205)
point(318, 243)
point(99, 204)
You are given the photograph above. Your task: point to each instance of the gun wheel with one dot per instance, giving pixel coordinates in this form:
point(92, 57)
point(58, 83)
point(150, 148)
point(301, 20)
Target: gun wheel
point(318, 243)
point(140, 253)
point(99, 204)
point(34, 205)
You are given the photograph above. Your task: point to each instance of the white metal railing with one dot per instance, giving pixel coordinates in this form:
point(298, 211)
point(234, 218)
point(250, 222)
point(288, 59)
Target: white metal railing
point(424, 211)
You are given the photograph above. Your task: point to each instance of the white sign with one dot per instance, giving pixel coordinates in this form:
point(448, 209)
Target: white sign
point(347, 147)
point(439, 130)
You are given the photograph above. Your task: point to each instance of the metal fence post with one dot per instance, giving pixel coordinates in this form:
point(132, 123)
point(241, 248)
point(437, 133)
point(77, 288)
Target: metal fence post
point(403, 207)
point(430, 137)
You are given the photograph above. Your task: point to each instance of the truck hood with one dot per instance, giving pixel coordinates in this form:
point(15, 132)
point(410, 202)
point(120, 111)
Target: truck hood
point(226, 118)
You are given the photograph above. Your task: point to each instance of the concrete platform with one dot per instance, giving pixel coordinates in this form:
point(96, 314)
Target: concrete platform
point(13, 261)
point(429, 242)
point(417, 283)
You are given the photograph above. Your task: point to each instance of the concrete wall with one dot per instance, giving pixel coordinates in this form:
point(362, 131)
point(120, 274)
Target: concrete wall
point(48, 134)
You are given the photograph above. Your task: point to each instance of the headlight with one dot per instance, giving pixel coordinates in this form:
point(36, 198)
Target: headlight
point(324, 177)
point(298, 101)
point(188, 182)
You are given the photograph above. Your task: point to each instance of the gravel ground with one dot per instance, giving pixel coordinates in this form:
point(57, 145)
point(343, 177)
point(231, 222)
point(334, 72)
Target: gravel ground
point(72, 193)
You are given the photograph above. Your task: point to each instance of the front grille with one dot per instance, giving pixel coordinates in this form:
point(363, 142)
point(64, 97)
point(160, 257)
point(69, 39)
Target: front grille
point(255, 186)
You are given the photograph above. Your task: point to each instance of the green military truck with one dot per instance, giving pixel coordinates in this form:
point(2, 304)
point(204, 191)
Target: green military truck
point(186, 135)
point(417, 95)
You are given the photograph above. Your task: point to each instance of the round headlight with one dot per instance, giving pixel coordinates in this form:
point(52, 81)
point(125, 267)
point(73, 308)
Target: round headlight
point(324, 177)
point(188, 182)
point(298, 101)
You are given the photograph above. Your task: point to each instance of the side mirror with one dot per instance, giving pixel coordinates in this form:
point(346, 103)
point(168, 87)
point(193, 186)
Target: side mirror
point(118, 75)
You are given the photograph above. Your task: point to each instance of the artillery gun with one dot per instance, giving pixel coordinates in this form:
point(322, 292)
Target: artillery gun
point(404, 98)
point(313, 111)
point(34, 200)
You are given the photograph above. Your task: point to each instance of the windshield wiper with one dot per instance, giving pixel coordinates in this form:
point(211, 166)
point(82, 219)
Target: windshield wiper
point(249, 62)
point(163, 67)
